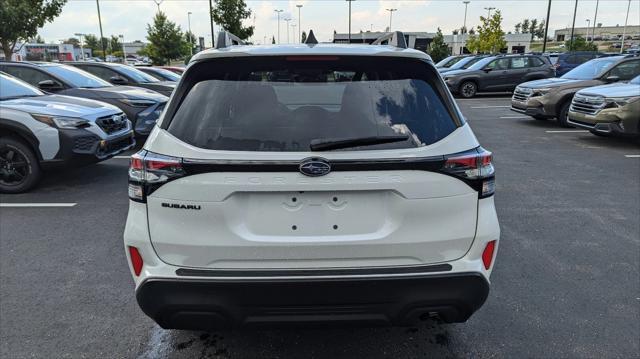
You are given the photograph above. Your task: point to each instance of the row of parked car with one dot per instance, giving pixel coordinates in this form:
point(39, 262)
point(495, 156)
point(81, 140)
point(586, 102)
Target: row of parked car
point(58, 114)
point(606, 87)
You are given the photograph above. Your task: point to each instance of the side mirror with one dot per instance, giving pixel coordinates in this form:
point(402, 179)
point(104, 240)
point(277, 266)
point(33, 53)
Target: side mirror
point(49, 85)
point(487, 69)
point(117, 80)
point(612, 78)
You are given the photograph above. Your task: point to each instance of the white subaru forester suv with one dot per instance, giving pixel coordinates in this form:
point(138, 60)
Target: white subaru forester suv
point(311, 183)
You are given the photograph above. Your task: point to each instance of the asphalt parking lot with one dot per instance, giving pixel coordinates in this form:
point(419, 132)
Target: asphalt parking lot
point(566, 282)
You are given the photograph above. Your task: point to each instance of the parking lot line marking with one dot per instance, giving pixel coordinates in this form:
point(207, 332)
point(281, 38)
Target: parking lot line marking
point(515, 117)
point(490, 106)
point(566, 131)
point(37, 204)
point(121, 157)
point(632, 156)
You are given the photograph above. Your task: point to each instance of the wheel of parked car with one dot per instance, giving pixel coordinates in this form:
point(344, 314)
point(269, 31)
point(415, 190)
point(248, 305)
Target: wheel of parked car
point(468, 89)
point(563, 114)
point(19, 168)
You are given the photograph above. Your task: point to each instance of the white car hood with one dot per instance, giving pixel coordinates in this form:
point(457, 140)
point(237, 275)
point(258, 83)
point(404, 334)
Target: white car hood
point(57, 105)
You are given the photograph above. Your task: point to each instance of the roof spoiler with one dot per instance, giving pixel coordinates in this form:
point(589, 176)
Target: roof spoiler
point(226, 39)
point(395, 38)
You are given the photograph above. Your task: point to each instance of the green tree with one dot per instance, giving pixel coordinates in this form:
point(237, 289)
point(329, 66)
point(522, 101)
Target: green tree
point(517, 28)
point(91, 42)
point(191, 43)
point(72, 41)
point(21, 19)
point(303, 36)
point(580, 44)
point(166, 41)
point(438, 50)
point(490, 38)
point(114, 45)
point(229, 15)
point(273, 40)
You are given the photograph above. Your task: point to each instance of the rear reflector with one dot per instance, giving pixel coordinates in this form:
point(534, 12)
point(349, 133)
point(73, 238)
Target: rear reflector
point(487, 255)
point(136, 260)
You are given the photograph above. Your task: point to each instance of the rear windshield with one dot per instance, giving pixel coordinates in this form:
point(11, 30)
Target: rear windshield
point(282, 104)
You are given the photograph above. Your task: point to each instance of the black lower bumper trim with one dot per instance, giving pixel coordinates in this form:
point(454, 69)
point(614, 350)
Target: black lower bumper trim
point(200, 304)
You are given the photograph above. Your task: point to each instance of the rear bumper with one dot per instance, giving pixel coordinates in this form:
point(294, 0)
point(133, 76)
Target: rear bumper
point(201, 304)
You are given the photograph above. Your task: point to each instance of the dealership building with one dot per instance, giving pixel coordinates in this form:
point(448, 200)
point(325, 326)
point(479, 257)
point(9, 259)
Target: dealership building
point(516, 43)
point(599, 33)
point(47, 52)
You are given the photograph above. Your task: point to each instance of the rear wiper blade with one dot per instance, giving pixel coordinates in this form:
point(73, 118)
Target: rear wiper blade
point(327, 144)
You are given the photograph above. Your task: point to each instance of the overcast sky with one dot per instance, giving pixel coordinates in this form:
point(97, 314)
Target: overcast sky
point(130, 18)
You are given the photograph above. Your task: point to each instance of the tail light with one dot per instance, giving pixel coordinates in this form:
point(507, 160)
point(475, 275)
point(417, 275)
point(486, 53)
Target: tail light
point(148, 171)
point(474, 167)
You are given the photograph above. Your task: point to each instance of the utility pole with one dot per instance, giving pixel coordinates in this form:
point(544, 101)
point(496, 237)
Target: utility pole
point(350, 1)
point(391, 16)
point(489, 11)
point(595, 16)
point(293, 32)
point(573, 26)
point(287, 21)
point(464, 26)
point(104, 48)
point(278, 12)
point(546, 28)
point(81, 46)
point(299, 25)
point(190, 33)
point(211, 21)
point(624, 30)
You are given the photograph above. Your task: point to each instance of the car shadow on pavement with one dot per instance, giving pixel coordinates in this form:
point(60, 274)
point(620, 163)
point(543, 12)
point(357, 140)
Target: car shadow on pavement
point(429, 337)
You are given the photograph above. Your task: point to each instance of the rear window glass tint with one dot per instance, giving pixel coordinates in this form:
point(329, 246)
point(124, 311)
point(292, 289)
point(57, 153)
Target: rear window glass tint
point(281, 105)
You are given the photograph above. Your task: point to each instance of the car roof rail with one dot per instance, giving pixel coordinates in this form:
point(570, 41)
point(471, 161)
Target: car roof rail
point(395, 38)
point(226, 39)
point(311, 39)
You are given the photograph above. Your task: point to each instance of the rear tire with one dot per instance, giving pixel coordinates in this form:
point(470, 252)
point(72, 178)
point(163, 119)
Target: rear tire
point(468, 89)
point(19, 167)
point(563, 114)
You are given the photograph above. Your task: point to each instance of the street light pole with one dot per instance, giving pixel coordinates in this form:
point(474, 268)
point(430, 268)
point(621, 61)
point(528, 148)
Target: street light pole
point(489, 11)
point(595, 16)
point(299, 25)
point(588, 26)
point(211, 22)
point(624, 30)
point(294, 29)
point(350, 1)
point(81, 43)
point(124, 50)
point(546, 28)
point(190, 33)
point(391, 16)
point(104, 49)
point(573, 26)
point(287, 21)
point(466, 3)
point(278, 12)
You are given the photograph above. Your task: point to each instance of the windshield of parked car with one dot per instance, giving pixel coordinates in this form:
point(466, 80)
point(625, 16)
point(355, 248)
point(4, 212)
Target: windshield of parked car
point(447, 62)
point(461, 63)
point(285, 103)
point(481, 63)
point(635, 80)
point(11, 88)
point(165, 74)
point(590, 69)
point(135, 74)
point(76, 77)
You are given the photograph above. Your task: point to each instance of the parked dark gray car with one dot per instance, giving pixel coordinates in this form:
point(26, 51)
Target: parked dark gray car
point(119, 74)
point(498, 73)
point(142, 107)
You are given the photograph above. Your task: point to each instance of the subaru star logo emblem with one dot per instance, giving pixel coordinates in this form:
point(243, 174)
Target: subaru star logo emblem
point(116, 119)
point(315, 167)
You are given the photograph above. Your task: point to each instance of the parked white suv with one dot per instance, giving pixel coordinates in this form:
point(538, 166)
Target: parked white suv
point(311, 183)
